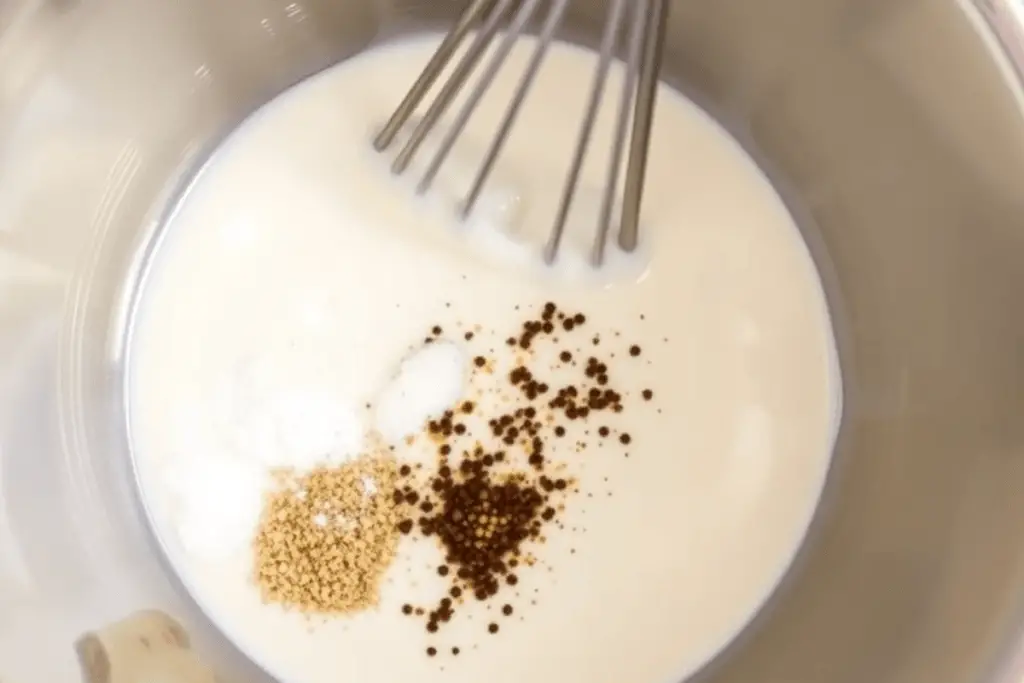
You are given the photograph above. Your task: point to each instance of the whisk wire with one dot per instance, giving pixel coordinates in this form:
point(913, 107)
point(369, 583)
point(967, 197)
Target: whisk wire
point(522, 17)
point(633, 123)
point(633, 55)
point(551, 24)
point(608, 41)
point(435, 67)
point(451, 88)
point(643, 121)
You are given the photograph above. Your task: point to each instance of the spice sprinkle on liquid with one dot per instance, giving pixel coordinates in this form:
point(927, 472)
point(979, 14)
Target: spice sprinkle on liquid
point(497, 485)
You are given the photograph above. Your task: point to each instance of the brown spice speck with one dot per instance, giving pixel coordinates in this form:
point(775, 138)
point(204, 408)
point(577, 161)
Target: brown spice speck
point(482, 516)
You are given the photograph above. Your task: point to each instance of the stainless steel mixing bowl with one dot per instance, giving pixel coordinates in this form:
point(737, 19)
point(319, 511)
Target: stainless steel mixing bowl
point(893, 127)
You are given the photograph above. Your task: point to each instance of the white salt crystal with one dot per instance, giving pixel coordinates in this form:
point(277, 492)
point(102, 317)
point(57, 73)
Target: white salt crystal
point(428, 382)
point(369, 485)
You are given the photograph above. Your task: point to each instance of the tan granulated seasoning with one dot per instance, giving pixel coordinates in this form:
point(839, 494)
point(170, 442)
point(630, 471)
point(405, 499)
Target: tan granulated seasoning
point(327, 537)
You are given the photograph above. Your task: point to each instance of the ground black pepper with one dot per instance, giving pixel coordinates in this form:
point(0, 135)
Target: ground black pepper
point(492, 495)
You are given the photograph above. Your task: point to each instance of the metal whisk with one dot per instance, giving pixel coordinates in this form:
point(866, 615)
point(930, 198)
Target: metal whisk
point(643, 21)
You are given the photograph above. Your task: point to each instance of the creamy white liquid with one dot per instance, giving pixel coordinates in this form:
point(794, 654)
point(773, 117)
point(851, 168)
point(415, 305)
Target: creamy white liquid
point(298, 267)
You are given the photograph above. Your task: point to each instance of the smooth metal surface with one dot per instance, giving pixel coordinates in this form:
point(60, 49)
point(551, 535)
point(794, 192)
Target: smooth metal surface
point(643, 119)
point(894, 129)
point(626, 103)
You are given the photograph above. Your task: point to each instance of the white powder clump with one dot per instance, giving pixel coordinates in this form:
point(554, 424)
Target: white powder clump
point(217, 498)
point(218, 501)
point(315, 429)
point(299, 429)
point(427, 383)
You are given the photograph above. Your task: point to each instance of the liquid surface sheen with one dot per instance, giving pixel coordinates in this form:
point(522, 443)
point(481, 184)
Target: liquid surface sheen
point(297, 266)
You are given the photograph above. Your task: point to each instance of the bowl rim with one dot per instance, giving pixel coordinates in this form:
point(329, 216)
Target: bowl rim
point(1005, 20)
